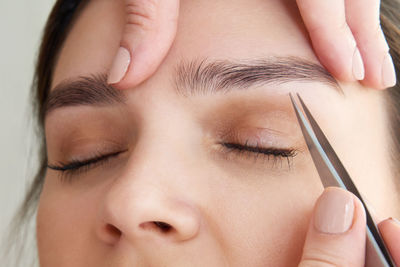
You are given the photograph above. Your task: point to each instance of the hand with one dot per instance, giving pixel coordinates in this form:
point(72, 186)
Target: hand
point(147, 37)
point(347, 38)
point(337, 232)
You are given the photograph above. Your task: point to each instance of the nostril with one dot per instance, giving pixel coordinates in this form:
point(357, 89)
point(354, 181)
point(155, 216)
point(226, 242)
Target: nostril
point(157, 226)
point(164, 227)
point(109, 234)
point(113, 230)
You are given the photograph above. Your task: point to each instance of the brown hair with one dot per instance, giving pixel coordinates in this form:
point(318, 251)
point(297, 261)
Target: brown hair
point(57, 27)
point(390, 21)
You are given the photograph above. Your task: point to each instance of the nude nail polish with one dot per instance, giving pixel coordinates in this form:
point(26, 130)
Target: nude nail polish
point(334, 211)
point(388, 72)
point(358, 66)
point(119, 66)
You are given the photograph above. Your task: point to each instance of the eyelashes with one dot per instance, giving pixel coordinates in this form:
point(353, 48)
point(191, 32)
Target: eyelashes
point(276, 155)
point(77, 167)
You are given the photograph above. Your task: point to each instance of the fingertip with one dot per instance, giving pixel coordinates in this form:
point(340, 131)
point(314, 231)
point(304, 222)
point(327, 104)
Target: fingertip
point(380, 74)
point(334, 211)
point(341, 207)
point(390, 223)
point(336, 233)
point(390, 231)
point(147, 37)
point(119, 66)
point(388, 72)
point(358, 66)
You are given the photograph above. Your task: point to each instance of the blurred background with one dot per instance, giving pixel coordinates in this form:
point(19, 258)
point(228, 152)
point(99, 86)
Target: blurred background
point(21, 23)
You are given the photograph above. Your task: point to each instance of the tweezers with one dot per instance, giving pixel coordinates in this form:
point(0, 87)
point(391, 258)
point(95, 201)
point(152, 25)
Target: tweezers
point(332, 173)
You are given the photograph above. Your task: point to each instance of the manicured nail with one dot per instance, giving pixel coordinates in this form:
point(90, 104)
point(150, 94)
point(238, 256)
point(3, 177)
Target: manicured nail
point(334, 211)
point(119, 66)
point(388, 72)
point(358, 65)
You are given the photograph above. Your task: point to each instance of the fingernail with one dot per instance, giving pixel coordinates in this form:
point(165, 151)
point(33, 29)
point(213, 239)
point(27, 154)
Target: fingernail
point(358, 65)
point(388, 72)
point(334, 212)
point(119, 66)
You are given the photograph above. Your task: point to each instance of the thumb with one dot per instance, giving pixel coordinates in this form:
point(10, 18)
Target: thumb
point(148, 34)
point(337, 231)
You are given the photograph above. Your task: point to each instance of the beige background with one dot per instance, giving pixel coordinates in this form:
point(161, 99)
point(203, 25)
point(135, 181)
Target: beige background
point(21, 24)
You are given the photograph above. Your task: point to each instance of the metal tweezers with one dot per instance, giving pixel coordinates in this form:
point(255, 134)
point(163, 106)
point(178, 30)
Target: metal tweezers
point(332, 173)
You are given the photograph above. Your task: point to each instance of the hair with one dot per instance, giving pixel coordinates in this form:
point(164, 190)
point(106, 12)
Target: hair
point(59, 24)
point(390, 21)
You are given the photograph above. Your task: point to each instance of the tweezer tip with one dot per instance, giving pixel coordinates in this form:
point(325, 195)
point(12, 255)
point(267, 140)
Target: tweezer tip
point(291, 96)
point(298, 95)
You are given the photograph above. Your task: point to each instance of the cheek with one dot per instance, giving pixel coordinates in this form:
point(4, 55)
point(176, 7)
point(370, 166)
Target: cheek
point(262, 222)
point(64, 223)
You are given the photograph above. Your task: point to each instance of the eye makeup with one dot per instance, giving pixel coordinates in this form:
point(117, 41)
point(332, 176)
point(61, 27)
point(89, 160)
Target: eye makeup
point(245, 138)
point(76, 154)
point(230, 150)
point(259, 135)
point(76, 167)
point(235, 145)
point(277, 155)
point(81, 139)
point(249, 143)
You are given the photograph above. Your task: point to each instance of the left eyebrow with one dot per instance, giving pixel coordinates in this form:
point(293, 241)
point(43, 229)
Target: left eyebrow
point(86, 90)
point(205, 77)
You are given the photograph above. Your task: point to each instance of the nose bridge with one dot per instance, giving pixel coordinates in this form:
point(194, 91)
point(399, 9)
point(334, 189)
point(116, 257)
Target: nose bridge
point(149, 199)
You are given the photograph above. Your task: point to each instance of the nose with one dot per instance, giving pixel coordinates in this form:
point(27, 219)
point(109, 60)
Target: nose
point(141, 207)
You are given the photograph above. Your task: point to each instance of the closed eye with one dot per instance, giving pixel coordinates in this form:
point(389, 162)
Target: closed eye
point(256, 152)
point(76, 167)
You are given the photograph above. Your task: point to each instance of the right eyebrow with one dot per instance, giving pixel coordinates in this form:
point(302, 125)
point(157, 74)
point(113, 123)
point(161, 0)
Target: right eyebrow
point(86, 90)
point(203, 77)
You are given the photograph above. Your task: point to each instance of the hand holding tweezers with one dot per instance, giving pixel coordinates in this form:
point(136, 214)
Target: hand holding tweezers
point(332, 173)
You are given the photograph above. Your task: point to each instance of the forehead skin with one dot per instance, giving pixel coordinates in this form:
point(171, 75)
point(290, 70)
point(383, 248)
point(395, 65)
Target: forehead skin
point(219, 29)
point(218, 34)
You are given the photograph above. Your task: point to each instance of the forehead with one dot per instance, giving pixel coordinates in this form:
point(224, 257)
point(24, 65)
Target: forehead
point(218, 29)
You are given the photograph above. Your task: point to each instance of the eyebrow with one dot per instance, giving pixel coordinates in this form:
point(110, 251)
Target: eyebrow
point(196, 77)
point(86, 90)
point(203, 77)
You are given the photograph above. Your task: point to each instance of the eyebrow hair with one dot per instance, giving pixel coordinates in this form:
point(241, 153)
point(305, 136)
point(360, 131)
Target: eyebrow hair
point(203, 77)
point(195, 77)
point(86, 90)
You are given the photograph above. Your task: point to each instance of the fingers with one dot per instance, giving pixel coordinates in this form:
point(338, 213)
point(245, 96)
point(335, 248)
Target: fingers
point(390, 231)
point(363, 20)
point(348, 41)
point(332, 38)
point(148, 34)
point(337, 231)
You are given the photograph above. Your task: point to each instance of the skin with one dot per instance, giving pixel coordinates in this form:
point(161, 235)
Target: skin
point(225, 209)
point(349, 29)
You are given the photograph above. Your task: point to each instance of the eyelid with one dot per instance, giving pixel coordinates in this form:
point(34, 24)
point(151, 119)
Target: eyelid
point(76, 164)
point(67, 171)
point(257, 148)
point(82, 148)
point(256, 136)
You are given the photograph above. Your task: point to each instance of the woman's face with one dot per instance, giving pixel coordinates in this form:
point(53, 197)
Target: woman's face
point(171, 183)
